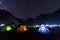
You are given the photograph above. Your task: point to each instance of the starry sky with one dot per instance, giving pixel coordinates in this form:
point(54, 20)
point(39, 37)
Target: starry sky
point(29, 8)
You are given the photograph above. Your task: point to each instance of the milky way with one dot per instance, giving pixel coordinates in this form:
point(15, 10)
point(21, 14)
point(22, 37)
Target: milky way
point(29, 8)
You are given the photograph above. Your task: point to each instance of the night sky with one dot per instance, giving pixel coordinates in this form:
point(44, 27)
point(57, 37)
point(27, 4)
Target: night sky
point(29, 8)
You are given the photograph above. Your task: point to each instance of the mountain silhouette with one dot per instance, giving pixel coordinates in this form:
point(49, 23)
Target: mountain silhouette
point(29, 21)
point(46, 18)
point(56, 13)
point(7, 18)
point(4, 14)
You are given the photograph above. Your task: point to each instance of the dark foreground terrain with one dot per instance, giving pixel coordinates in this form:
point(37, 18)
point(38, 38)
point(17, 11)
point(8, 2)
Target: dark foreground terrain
point(28, 36)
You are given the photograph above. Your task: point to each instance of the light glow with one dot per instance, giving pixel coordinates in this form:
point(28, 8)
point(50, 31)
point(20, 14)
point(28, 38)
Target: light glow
point(22, 28)
point(47, 25)
point(2, 25)
point(7, 28)
point(44, 30)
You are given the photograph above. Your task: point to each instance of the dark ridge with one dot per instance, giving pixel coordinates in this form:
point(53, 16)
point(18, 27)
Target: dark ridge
point(7, 17)
point(21, 21)
point(56, 13)
point(4, 14)
point(43, 16)
point(29, 21)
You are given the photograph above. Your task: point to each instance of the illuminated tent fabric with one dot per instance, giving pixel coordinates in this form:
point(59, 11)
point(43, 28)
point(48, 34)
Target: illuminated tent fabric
point(6, 28)
point(22, 28)
point(44, 30)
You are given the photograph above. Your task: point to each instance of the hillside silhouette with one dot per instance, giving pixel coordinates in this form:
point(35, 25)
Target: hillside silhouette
point(7, 18)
